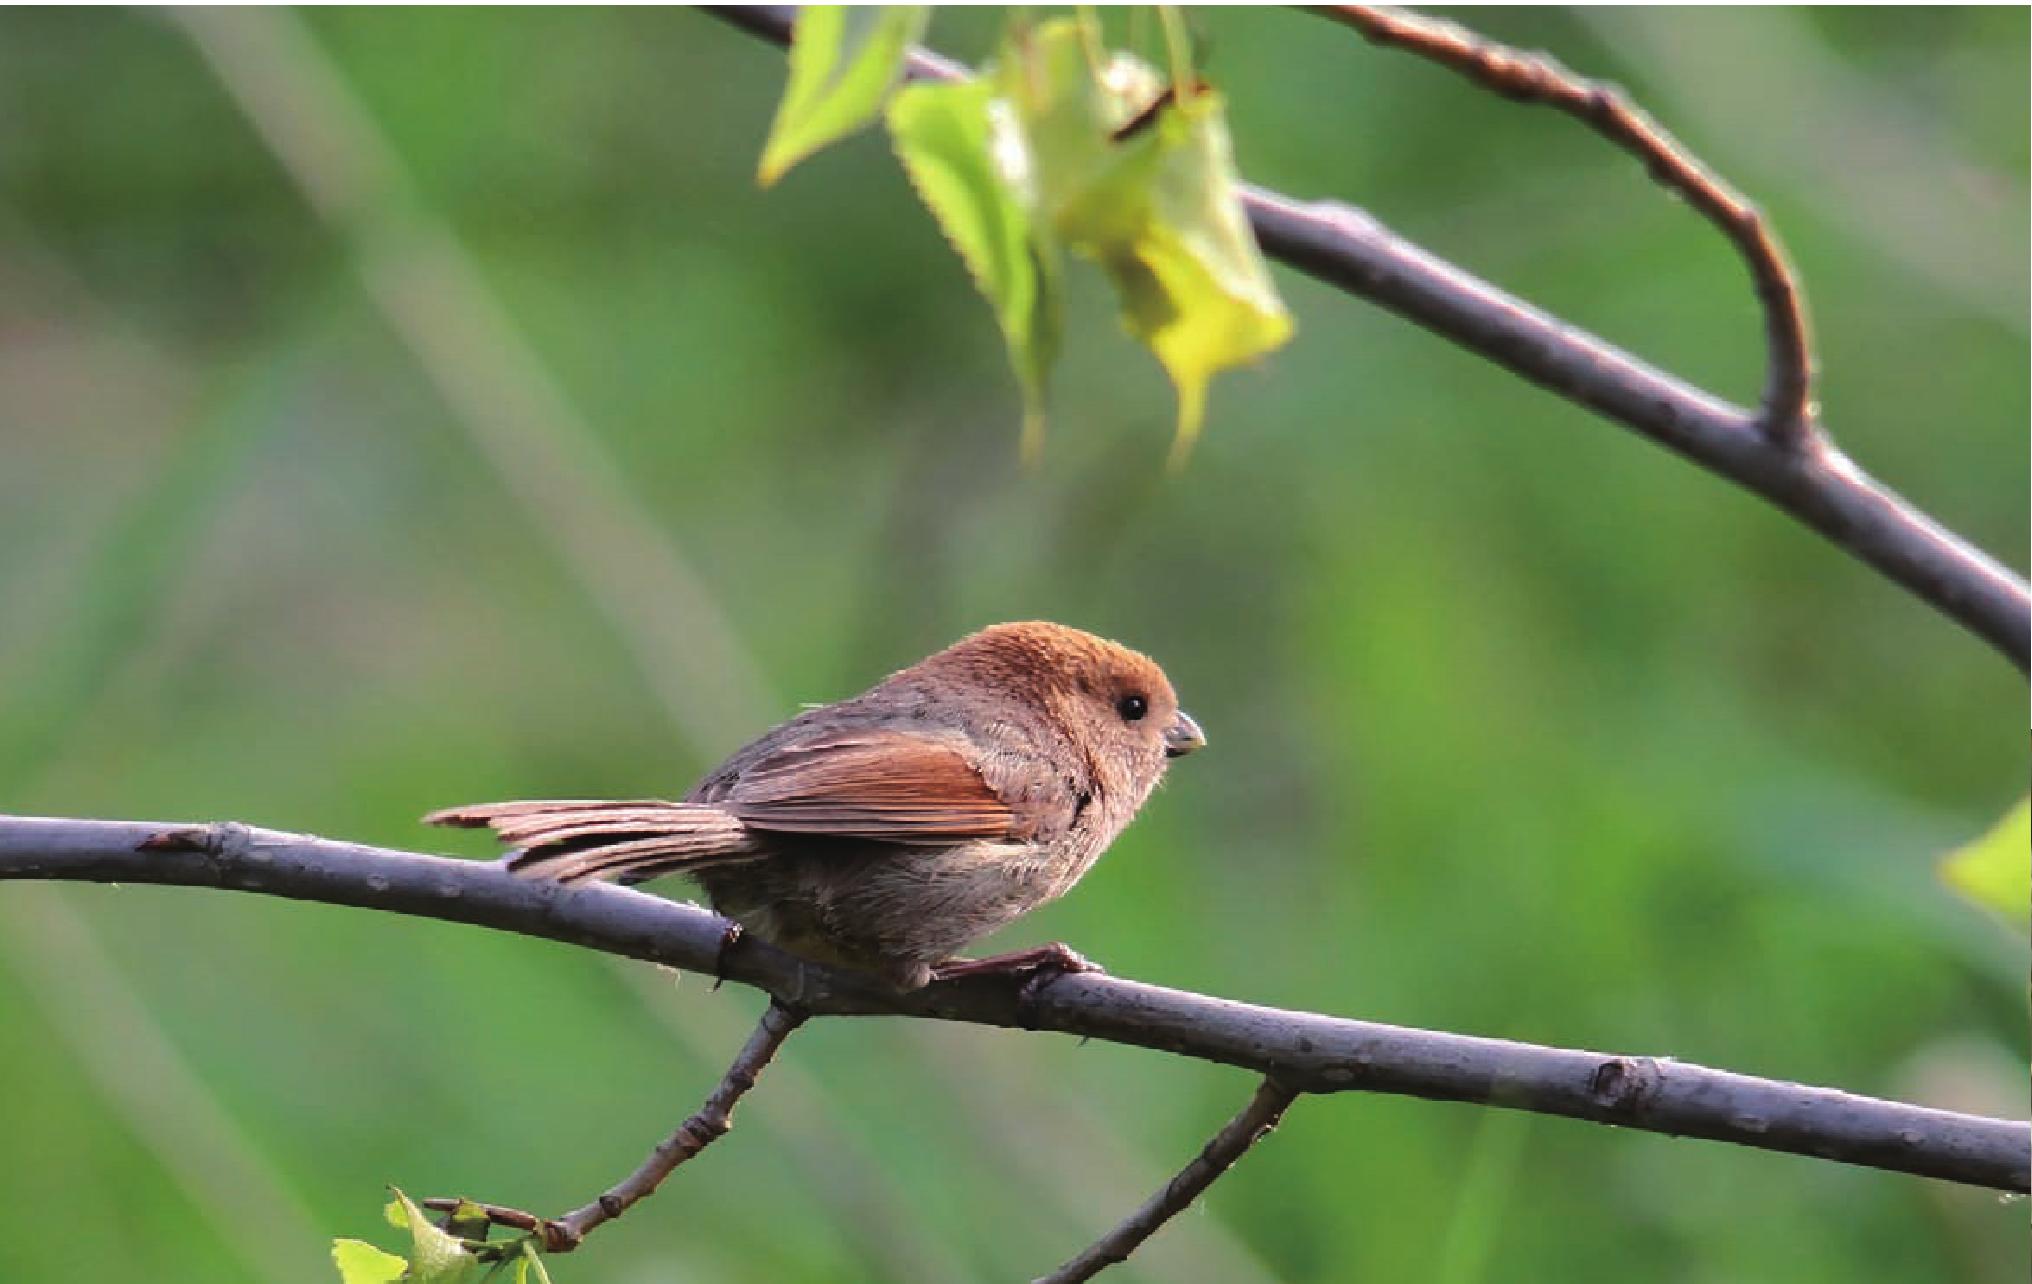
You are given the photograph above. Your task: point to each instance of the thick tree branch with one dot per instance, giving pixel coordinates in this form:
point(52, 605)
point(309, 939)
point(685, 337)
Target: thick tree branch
point(1807, 477)
point(711, 1122)
point(1262, 1114)
point(1303, 1050)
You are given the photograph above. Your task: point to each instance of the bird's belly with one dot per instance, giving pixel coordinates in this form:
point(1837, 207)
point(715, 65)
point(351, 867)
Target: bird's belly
point(929, 905)
point(876, 908)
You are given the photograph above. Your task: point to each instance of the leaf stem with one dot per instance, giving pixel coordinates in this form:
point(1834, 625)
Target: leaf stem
point(1178, 49)
point(535, 1260)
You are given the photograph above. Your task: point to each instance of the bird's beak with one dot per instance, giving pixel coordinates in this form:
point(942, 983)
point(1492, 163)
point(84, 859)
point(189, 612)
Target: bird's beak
point(1182, 736)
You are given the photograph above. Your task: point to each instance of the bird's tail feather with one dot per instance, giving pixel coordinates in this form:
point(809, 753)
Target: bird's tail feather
point(570, 839)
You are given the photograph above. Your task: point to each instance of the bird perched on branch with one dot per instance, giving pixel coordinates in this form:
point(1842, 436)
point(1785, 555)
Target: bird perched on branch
point(888, 831)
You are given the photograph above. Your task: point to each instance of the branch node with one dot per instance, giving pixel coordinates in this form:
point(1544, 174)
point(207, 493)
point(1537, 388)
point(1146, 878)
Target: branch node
point(222, 838)
point(1626, 1085)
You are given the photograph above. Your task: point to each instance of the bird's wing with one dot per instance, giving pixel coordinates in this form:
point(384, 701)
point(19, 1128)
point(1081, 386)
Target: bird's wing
point(888, 786)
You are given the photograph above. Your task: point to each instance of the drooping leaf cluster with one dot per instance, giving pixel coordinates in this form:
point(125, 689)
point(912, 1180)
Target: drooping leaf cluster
point(1058, 149)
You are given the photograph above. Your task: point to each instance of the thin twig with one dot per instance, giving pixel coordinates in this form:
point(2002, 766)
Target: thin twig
point(1786, 415)
point(707, 1126)
point(710, 1123)
point(1818, 486)
point(1313, 1052)
point(1262, 1113)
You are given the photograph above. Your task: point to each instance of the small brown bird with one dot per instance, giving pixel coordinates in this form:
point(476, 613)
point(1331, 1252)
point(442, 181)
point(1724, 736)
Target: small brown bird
point(888, 831)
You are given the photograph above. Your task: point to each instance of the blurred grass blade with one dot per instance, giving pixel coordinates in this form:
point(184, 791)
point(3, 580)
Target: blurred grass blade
point(140, 558)
point(497, 384)
point(962, 166)
point(116, 1041)
point(1995, 871)
point(843, 63)
point(1488, 1183)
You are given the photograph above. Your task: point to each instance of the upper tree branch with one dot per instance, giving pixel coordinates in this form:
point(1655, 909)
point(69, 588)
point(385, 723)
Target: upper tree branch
point(1787, 409)
point(1301, 1050)
point(1805, 476)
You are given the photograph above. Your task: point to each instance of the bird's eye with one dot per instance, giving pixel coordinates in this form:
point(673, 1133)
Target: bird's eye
point(1132, 708)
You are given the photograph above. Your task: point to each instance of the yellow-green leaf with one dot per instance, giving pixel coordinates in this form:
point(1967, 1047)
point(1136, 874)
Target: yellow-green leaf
point(1193, 284)
point(361, 1263)
point(1996, 869)
point(844, 60)
point(968, 167)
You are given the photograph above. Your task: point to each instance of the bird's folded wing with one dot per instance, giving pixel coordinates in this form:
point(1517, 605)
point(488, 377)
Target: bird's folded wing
point(887, 786)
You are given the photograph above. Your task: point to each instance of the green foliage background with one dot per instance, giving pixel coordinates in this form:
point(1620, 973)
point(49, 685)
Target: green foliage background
point(1519, 726)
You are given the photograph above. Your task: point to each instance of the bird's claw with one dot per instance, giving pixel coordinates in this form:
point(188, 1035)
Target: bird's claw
point(1042, 964)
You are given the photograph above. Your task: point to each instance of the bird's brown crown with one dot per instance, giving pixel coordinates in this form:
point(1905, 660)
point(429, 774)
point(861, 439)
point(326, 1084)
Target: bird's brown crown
point(1037, 655)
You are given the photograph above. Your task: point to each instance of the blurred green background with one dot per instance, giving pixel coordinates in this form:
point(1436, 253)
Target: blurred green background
point(503, 439)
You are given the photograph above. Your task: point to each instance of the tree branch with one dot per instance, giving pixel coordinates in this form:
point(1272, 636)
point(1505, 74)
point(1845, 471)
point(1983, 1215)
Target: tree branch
point(1808, 478)
point(1262, 1114)
point(1787, 410)
point(1307, 1051)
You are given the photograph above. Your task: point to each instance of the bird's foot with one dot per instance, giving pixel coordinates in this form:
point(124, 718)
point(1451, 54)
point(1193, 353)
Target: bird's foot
point(1042, 963)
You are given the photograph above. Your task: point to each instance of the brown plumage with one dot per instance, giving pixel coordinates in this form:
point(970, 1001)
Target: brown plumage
point(890, 830)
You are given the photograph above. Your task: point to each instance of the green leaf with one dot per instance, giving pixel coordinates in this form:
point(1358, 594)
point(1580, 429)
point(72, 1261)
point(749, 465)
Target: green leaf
point(434, 1256)
point(968, 168)
point(1996, 870)
point(361, 1263)
point(1145, 186)
point(844, 60)
point(1067, 108)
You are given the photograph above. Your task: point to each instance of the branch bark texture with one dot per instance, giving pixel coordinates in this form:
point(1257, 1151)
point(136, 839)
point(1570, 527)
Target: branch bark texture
point(1797, 468)
point(1305, 1051)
